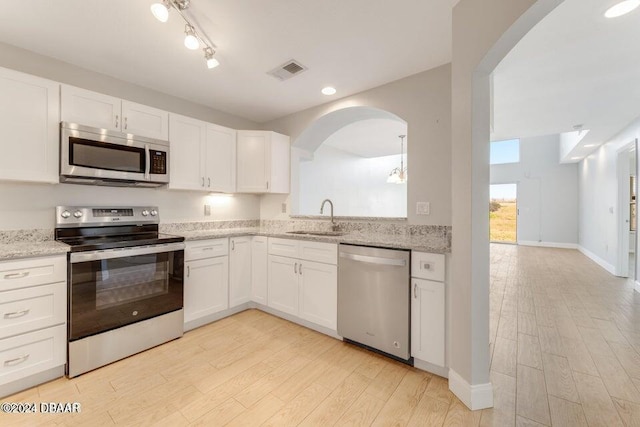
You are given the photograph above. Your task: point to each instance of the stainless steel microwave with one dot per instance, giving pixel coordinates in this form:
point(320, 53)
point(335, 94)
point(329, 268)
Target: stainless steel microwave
point(103, 157)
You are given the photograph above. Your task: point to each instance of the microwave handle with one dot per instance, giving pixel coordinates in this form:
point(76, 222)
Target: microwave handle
point(147, 165)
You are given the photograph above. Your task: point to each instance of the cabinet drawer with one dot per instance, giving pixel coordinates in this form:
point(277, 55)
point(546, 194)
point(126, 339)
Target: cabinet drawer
point(31, 272)
point(201, 249)
point(24, 310)
point(28, 354)
point(427, 266)
point(283, 247)
point(319, 252)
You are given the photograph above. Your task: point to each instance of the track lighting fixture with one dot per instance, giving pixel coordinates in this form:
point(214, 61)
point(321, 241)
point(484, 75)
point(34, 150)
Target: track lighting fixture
point(194, 38)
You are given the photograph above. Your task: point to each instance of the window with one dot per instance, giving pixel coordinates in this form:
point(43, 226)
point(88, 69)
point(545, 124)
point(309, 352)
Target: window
point(505, 152)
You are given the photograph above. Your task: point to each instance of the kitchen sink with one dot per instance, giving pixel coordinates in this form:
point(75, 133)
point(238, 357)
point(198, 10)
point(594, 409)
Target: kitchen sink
point(318, 233)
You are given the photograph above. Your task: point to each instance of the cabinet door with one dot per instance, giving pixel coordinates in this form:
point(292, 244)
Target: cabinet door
point(319, 293)
point(253, 164)
point(29, 119)
point(206, 287)
point(221, 159)
point(259, 269)
point(280, 159)
point(186, 165)
point(90, 108)
point(427, 321)
point(239, 271)
point(146, 121)
point(282, 293)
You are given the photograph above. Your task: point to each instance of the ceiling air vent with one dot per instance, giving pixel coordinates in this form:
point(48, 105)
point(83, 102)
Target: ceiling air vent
point(287, 70)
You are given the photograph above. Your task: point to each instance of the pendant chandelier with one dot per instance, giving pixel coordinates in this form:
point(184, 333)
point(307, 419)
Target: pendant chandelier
point(399, 175)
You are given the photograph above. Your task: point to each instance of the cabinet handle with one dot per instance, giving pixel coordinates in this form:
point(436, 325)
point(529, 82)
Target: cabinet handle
point(20, 275)
point(188, 270)
point(203, 181)
point(16, 361)
point(16, 314)
point(415, 290)
point(295, 268)
point(426, 266)
point(233, 245)
point(300, 269)
point(125, 123)
point(267, 185)
point(209, 182)
point(117, 120)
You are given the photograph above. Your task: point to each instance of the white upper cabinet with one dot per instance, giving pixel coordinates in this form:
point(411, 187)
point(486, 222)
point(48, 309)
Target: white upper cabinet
point(202, 155)
point(263, 162)
point(30, 123)
point(186, 167)
point(220, 155)
point(107, 112)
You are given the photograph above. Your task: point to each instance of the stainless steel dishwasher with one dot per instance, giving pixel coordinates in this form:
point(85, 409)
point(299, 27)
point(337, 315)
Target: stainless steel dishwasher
point(374, 298)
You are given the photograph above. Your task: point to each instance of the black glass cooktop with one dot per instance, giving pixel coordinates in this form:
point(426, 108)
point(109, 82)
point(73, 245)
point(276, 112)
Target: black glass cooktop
point(100, 238)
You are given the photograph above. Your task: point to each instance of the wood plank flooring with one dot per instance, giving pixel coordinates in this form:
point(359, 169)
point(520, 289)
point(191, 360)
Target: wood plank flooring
point(565, 347)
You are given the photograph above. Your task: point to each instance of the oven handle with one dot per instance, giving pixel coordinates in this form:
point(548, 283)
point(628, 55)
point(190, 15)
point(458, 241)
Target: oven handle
point(147, 166)
point(124, 252)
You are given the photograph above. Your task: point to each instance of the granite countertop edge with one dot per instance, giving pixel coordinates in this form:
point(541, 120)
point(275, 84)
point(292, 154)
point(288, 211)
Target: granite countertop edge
point(18, 250)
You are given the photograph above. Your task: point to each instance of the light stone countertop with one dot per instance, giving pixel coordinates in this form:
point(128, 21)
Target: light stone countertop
point(420, 243)
point(29, 249)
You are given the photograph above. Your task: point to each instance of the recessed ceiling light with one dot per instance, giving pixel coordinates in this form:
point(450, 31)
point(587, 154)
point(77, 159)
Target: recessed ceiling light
point(332, 90)
point(590, 145)
point(576, 158)
point(621, 8)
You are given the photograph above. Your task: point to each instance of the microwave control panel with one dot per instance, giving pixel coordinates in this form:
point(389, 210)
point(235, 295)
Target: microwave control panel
point(158, 162)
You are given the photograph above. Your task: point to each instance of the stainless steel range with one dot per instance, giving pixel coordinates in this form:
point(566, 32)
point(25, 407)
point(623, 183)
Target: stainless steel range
point(125, 283)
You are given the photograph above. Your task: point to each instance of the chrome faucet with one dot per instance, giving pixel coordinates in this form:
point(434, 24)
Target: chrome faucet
point(333, 224)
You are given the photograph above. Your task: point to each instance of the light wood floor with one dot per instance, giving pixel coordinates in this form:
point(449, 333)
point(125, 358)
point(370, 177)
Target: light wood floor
point(565, 340)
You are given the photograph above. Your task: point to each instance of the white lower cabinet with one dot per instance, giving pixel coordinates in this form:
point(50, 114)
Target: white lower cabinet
point(206, 282)
point(300, 285)
point(428, 321)
point(239, 270)
point(259, 269)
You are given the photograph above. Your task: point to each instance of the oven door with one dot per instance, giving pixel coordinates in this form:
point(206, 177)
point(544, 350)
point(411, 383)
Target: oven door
point(117, 287)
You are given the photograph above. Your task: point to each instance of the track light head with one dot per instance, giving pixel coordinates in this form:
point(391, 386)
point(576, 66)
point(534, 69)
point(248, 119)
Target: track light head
point(161, 10)
point(190, 39)
point(209, 57)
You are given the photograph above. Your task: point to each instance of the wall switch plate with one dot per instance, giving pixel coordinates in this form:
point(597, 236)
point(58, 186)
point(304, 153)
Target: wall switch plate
point(423, 208)
point(284, 208)
point(207, 210)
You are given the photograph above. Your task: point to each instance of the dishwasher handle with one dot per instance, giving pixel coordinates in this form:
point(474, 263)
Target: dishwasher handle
point(374, 259)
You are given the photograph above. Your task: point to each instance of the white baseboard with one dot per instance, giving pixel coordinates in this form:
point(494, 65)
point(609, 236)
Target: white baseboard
point(595, 258)
point(548, 244)
point(478, 396)
point(441, 371)
point(636, 285)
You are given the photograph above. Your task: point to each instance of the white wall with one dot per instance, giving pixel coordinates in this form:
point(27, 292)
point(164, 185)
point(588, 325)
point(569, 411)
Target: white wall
point(32, 205)
point(424, 102)
point(547, 192)
point(356, 185)
point(598, 184)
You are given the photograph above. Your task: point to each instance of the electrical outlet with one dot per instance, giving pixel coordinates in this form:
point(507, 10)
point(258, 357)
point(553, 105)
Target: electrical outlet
point(207, 210)
point(423, 208)
point(284, 208)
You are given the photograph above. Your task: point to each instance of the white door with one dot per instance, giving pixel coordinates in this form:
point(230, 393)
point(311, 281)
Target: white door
point(221, 159)
point(187, 137)
point(259, 269)
point(253, 162)
point(282, 293)
point(319, 293)
point(88, 108)
point(427, 321)
point(143, 120)
point(29, 119)
point(239, 271)
point(206, 287)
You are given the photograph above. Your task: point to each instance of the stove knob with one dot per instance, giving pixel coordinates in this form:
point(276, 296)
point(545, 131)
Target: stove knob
point(77, 214)
point(145, 212)
point(65, 214)
point(154, 212)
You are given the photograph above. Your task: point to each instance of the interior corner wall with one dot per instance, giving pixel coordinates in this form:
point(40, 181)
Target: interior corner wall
point(547, 193)
point(424, 102)
point(598, 195)
point(30, 205)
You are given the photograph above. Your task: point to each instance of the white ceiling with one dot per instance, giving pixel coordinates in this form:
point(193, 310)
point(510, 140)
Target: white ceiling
point(575, 67)
point(353, 45)
point(370, 138)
